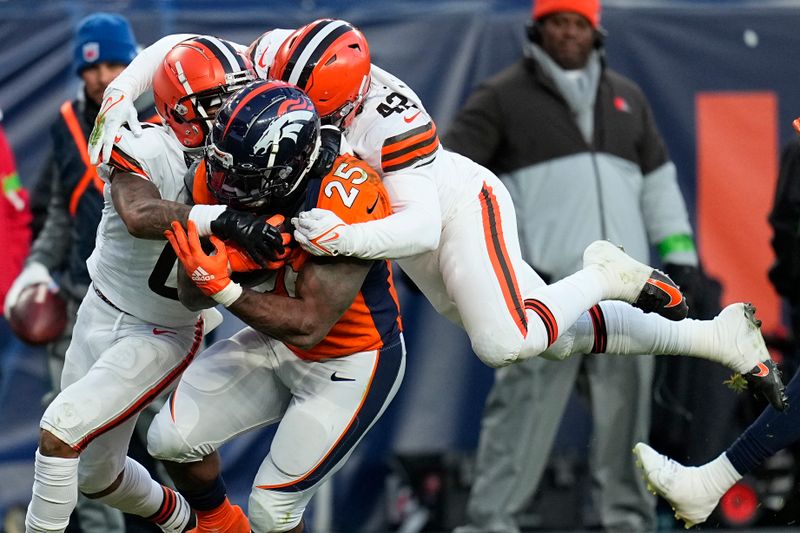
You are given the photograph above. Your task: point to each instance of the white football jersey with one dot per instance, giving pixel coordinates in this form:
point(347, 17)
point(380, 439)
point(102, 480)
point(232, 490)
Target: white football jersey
point(394, 133)
point(132, 273)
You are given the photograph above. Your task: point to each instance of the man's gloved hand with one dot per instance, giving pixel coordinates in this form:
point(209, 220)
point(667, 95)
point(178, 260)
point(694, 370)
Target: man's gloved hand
point(262, 240)
point(690, 280)
point(32, 274)
point(117, 109)
point(240, 261)
point(208, 272)
point(321, 232)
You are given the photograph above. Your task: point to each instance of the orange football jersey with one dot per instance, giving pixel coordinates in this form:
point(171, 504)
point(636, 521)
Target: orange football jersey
point(356, 194)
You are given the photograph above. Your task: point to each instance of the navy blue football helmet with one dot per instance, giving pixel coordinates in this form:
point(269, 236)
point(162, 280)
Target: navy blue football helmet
point(264, 142)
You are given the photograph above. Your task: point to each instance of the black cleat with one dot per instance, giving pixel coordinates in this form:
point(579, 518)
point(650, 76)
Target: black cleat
point(765, 380)
point(662, 296)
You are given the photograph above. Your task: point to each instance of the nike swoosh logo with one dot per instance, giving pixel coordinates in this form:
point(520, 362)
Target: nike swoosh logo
point(111, 104)
point(261, 62)
point(374, 205)
point(157, 331)
point(410, 119)
point(335, 377)
point(675, 296)
point(329, 236)
point(763, 371)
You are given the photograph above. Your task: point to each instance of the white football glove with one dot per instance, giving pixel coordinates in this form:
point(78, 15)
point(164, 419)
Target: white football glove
point(117, 109)
point(321, 232)
point(32, 274)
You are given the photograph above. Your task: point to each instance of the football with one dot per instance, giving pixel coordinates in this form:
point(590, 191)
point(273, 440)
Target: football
point(39, 316)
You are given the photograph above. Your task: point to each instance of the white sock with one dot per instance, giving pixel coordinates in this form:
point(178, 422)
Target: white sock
point(559, 306)
point(629, 331)
point(141, 495)
point(719, 475)
point(55, 494)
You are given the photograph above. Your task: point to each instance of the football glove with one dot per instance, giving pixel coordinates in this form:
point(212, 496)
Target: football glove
point(117, 109)
point(208, 272)
point(240, 261)
point(321, 232)
point(262, 240)
point(32, 274)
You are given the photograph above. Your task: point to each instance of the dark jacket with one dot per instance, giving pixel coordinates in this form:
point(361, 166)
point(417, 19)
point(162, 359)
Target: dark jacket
point(76, 199)
point(622, 186)
point(785, 222)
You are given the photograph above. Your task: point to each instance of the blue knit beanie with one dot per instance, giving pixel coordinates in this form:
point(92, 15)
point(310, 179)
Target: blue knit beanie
point(103, 37)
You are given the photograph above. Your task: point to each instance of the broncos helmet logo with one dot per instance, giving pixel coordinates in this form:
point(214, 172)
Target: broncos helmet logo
point(287, 127)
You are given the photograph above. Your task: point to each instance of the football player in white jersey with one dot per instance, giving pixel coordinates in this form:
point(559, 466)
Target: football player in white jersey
point(453, 230)
point(133, 338)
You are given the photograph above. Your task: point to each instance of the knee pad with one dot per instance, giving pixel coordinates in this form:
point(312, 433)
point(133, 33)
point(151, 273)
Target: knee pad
point(97, 476)
point(166, 442)
point(273, 511)
point(494, 350)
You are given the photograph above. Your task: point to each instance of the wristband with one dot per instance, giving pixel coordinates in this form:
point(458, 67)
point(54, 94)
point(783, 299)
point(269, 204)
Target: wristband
point(203, 215)
point(228, 295)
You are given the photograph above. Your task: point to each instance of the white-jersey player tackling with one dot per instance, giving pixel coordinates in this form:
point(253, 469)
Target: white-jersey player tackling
point(133, 338)
point(453, 230)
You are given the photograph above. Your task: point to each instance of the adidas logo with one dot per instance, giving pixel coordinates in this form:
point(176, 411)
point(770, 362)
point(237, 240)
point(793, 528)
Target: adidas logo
point(201, 275)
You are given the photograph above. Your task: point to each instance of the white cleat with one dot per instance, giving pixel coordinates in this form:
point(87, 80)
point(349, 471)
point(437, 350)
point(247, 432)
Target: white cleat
point(737, 335)
point(630, 281)
point(690, 494)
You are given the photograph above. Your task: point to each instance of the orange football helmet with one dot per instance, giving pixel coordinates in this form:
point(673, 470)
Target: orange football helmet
point(329, 60)
point(192, 82)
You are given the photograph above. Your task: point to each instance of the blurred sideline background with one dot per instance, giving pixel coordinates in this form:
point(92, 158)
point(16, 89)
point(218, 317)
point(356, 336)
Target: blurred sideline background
point(722, 78)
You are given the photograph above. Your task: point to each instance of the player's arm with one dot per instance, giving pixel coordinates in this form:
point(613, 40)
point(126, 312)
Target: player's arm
point(414, 225)
point(325, 289)
point(139, 204)
point(147, 215)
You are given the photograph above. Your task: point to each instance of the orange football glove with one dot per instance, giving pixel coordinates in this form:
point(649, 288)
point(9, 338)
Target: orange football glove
point(208, 272)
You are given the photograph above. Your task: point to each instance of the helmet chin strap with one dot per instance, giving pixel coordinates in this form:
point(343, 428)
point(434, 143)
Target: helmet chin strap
point(309, 166)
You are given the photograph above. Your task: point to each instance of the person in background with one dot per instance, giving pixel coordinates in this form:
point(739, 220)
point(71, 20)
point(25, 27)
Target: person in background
point(577, 146)
point(15, 240)
point(15, 214)
point(104, 44)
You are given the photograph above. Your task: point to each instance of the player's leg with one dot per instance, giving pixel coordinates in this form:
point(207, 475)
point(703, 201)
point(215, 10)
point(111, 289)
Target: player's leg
point(324, 422)
point(733, 338)
point(130, 367)
point(620, 392)
point(518, 427)
point(232, 387)
point(694, 492)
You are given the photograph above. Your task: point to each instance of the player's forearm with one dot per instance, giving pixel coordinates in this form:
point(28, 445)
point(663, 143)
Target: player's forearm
point(414, 227)
point(289, 320)
point(402, 234)
point(150, 218)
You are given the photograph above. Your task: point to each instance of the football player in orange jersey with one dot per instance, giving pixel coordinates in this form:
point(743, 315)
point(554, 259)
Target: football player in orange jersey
point(323, 351)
